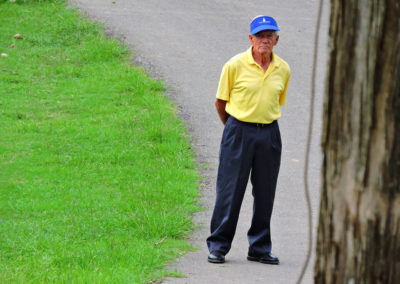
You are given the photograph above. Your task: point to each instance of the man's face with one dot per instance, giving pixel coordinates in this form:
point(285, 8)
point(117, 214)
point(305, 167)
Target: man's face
point(264, 41)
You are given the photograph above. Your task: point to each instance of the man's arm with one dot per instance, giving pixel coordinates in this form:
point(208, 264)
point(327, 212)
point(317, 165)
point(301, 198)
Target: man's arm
point(220, 105)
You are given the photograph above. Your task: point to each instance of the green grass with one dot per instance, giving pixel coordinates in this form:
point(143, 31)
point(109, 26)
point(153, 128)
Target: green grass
point(97, 177)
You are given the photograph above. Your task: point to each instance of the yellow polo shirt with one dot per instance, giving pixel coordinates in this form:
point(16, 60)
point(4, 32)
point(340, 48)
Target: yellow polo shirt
point(253, 95)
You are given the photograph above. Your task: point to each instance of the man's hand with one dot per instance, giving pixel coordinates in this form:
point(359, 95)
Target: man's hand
point(220, 105)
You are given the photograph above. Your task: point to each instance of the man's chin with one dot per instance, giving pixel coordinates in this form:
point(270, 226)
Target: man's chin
point(264, 50)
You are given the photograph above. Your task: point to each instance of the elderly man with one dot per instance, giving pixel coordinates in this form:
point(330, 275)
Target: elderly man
point(251, 89)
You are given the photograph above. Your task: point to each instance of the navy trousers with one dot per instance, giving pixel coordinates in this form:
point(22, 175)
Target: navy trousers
point(246, 150)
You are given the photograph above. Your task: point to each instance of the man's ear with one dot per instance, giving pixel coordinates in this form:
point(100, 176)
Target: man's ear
point(277, 39)
point(251, 39)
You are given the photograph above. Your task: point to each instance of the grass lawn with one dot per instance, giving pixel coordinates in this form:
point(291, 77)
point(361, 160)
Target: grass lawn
point(97, 177)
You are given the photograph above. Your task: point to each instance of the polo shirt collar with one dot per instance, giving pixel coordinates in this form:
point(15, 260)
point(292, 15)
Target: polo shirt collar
point(251, 60)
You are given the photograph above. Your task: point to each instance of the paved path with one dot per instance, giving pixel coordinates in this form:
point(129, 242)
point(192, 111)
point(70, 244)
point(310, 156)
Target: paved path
point(186, 43)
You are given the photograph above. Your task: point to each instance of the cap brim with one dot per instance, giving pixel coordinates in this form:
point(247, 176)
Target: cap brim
point(264, 28)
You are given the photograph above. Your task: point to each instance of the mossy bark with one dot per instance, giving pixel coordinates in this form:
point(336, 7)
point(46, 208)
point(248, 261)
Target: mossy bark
point(359, 227)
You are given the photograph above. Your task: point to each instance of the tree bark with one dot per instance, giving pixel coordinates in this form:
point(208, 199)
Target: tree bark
point(359, 226)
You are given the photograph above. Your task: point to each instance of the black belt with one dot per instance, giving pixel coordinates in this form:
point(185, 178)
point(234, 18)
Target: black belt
point(259, 125)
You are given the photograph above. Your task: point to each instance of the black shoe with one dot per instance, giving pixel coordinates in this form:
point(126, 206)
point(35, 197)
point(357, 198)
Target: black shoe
point(216, 257)
point(267, 258)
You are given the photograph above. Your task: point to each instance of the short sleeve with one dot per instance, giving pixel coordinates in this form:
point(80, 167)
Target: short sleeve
point(225, 84)
point(282, 97)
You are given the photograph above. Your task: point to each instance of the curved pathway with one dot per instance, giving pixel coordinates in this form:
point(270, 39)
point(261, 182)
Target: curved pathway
point(186, 43)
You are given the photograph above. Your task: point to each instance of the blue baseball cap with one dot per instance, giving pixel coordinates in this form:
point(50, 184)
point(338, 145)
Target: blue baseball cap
point(262, 23)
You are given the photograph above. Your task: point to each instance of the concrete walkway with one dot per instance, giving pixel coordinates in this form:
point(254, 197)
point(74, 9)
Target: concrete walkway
point(186, 43)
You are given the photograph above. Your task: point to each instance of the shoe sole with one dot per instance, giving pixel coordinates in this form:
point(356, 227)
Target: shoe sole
point(257, 259)
point(215, 261)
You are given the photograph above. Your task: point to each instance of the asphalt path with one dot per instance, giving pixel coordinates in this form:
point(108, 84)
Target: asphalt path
point(186, 43)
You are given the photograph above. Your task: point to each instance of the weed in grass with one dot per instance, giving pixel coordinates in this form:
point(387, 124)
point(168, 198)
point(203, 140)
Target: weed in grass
point(97, 183)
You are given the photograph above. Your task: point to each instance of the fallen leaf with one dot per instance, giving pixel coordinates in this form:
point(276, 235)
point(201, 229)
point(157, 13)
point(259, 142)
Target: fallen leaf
point(12, 45)
point(18, 36)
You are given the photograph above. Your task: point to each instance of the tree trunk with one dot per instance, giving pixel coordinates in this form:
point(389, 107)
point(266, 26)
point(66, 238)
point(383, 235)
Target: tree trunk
point(359, 227)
